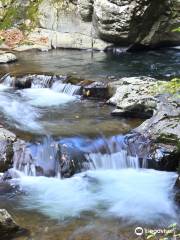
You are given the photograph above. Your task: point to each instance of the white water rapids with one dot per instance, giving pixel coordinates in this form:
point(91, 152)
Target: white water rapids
point(24, 107)
point(143, 196)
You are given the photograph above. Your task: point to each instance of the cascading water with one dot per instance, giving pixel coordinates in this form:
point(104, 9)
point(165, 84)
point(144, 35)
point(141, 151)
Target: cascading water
point(37, 159)
point(41, 81)
point(23, 107)
point(113, 182)
point(66, 88)
point(50, 156)
point(44, 81)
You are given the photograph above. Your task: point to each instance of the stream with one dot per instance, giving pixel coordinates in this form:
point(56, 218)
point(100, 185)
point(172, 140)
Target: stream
point(114, 192)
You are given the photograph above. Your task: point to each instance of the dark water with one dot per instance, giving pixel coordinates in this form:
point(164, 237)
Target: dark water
point(97, 65)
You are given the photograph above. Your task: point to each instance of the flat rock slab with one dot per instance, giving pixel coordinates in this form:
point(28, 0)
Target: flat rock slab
point(7, 57)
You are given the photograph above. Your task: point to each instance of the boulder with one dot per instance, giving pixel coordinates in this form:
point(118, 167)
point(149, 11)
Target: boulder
point(140, 97)
point(137, 22)
point(133, 97)
point(6, 149)
point(8, 227)
point(97, 90)
point(71, 160)
point(164, 125)
point(6, 57)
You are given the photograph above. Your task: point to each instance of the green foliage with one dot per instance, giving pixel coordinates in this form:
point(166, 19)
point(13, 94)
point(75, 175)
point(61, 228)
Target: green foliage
point(14, 13)
point(176, 29)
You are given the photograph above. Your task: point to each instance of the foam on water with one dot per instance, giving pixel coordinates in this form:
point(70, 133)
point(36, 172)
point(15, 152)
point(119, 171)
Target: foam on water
point(23, 115)
point(23, 107)
point(3, 87)
point(45, 97)
point(143, 196)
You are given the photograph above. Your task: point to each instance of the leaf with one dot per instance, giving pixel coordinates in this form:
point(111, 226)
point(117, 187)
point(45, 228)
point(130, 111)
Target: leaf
point(173, 225)
point(150, 236)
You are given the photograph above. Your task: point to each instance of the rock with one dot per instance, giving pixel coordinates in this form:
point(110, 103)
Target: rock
point(72, 160)
point(177, 189)
point(138, 22)
point(8, 227)
point(69, 40)
point(133, 97)
point(164, 124)
point(6, 57)
point(86, 9)
point(97, 90)
point(6, 149)
point(139, 97)
point(92, 24)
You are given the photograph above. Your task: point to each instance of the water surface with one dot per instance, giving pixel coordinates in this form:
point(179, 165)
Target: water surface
point(97, 65)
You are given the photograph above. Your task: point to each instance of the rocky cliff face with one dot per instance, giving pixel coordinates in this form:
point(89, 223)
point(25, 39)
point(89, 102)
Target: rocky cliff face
point(96, 24)
point(146, 22)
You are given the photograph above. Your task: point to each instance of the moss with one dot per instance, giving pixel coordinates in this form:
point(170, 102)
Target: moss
point(171, 87)
point(176, 29)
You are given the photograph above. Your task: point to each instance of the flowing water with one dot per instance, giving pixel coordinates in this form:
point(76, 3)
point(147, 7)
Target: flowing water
point(114, 192)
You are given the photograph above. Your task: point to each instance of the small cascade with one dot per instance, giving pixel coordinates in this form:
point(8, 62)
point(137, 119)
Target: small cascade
point(37, 159)
point(41, 81)
point(69, 156)
point(7, 80)
point(112, 161)
point(112, 153)
point(116, 152)
point(66, 88)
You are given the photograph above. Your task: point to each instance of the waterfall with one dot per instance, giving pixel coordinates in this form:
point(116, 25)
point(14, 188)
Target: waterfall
point(59, 158)
point(41, 81)
point(112, 161)
point(37, 159)
point(116, 152)
point(54, 83)
point(7, 80)
point(67, 88)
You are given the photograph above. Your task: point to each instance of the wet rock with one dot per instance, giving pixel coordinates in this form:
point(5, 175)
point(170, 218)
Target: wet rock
point(97, 90)
point(139, 97)
point(164, 130)
point(6, 57)
point(6, 149)
point(164, 124)
point(8, 227)
point(72, 160)
point(177, 189)
point(24, 82)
